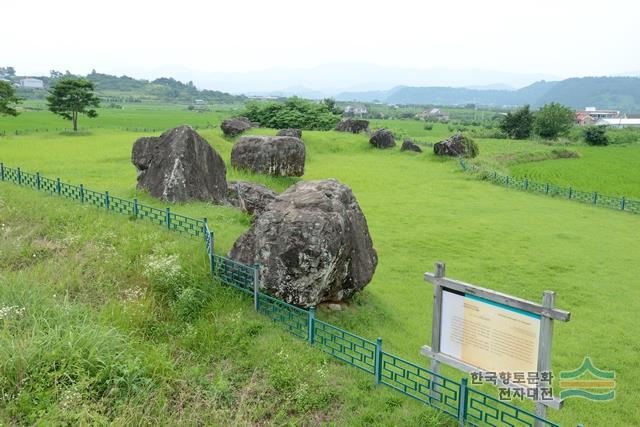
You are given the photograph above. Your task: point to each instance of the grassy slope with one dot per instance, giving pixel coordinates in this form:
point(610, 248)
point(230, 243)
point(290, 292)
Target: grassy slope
point(105, 338)
point(421, 210)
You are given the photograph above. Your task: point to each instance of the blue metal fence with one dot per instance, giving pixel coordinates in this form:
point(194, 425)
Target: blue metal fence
point(469, 406)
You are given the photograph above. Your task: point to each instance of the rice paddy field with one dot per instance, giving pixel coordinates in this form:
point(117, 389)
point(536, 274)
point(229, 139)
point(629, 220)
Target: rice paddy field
point(80, 273)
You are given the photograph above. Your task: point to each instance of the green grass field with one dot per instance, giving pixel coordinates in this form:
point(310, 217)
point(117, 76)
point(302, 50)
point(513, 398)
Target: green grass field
point(420, 210)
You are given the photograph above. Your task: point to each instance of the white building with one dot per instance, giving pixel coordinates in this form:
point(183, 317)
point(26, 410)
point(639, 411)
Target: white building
point(30, 83)
point(356, 110)
point(619, 123)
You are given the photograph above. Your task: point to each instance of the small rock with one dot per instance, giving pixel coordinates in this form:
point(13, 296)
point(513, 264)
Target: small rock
point(409, 145)
point(334, 307)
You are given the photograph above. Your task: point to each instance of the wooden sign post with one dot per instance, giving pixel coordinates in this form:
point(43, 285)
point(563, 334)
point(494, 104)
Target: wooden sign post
point(482, 331)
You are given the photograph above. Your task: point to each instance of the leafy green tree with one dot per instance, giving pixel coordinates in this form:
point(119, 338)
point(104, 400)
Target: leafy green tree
point(553, 120)
point(519, 124)
point(595, 135)
point(70, 96)
point(8, 99)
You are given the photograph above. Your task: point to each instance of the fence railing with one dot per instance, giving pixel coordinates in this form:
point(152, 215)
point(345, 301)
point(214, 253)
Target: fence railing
point(570, 193)
point(467, 405)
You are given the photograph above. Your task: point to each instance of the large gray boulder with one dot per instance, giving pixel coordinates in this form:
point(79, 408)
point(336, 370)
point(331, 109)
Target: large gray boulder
point(297, 133)
point(180, 165)
point(352, 125)
point(383, 138)
point(235, 126)
point(249, 197)
point(456, 146)
point(271, 155)
point(312, 243)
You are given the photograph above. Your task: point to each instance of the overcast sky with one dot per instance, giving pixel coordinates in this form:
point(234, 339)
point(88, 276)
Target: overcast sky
point(556, 37)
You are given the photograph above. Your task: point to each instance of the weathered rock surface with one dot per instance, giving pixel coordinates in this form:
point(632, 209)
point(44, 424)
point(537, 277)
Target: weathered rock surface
point(352, 125)
point(312, 243)
point(456, 146)
point(296, 133)
point(180, 165)
point(383, 138)
point(235, 126)
point(272, 155)
point(249, 197)
point(409, 145)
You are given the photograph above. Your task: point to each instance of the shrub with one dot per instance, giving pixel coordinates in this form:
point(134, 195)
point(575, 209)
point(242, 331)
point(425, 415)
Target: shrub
point(428, 126)
point(595, 135)
point(293, 113)
point(471, 149)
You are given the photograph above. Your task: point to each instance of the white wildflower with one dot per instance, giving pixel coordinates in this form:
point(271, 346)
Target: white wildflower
point(166, 267)
point(9, 311)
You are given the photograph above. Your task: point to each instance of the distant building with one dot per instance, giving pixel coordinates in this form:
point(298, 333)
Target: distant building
point(434, 114)
point(29, 83)
point(584, 119)
point(619, 123)
point(356, 110)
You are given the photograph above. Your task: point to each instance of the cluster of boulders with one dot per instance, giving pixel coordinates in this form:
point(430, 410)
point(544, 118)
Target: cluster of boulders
point(311, 241)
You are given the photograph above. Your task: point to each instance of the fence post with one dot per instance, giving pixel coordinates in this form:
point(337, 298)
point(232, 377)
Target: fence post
point(19, 177)
point(58, 186)
point(204, 230)
point(507, 181)
point(311, 324)
point(526, 184)
point(570, 192)
point(622, 201)
point(256, 286)
point(546, 188)
point(212, 258)
point(462, 404)
point(168, 218)
point(1, 171)
point(135, 207)
point(38, 180)
point(81, 193)
point(378, 361)
point(595, 198)
point(106, 200)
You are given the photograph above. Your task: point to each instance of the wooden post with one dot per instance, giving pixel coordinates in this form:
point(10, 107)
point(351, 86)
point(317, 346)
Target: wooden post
point(435, 328)
point(544, 351)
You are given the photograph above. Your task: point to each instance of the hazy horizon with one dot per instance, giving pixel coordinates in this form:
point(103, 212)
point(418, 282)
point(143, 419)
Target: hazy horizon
point(272, 46)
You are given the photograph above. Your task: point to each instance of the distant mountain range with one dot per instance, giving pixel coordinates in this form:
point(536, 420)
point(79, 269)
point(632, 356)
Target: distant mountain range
point(622, 93)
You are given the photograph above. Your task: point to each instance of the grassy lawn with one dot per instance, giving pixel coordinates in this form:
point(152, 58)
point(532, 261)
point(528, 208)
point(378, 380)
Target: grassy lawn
point(420, 210)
